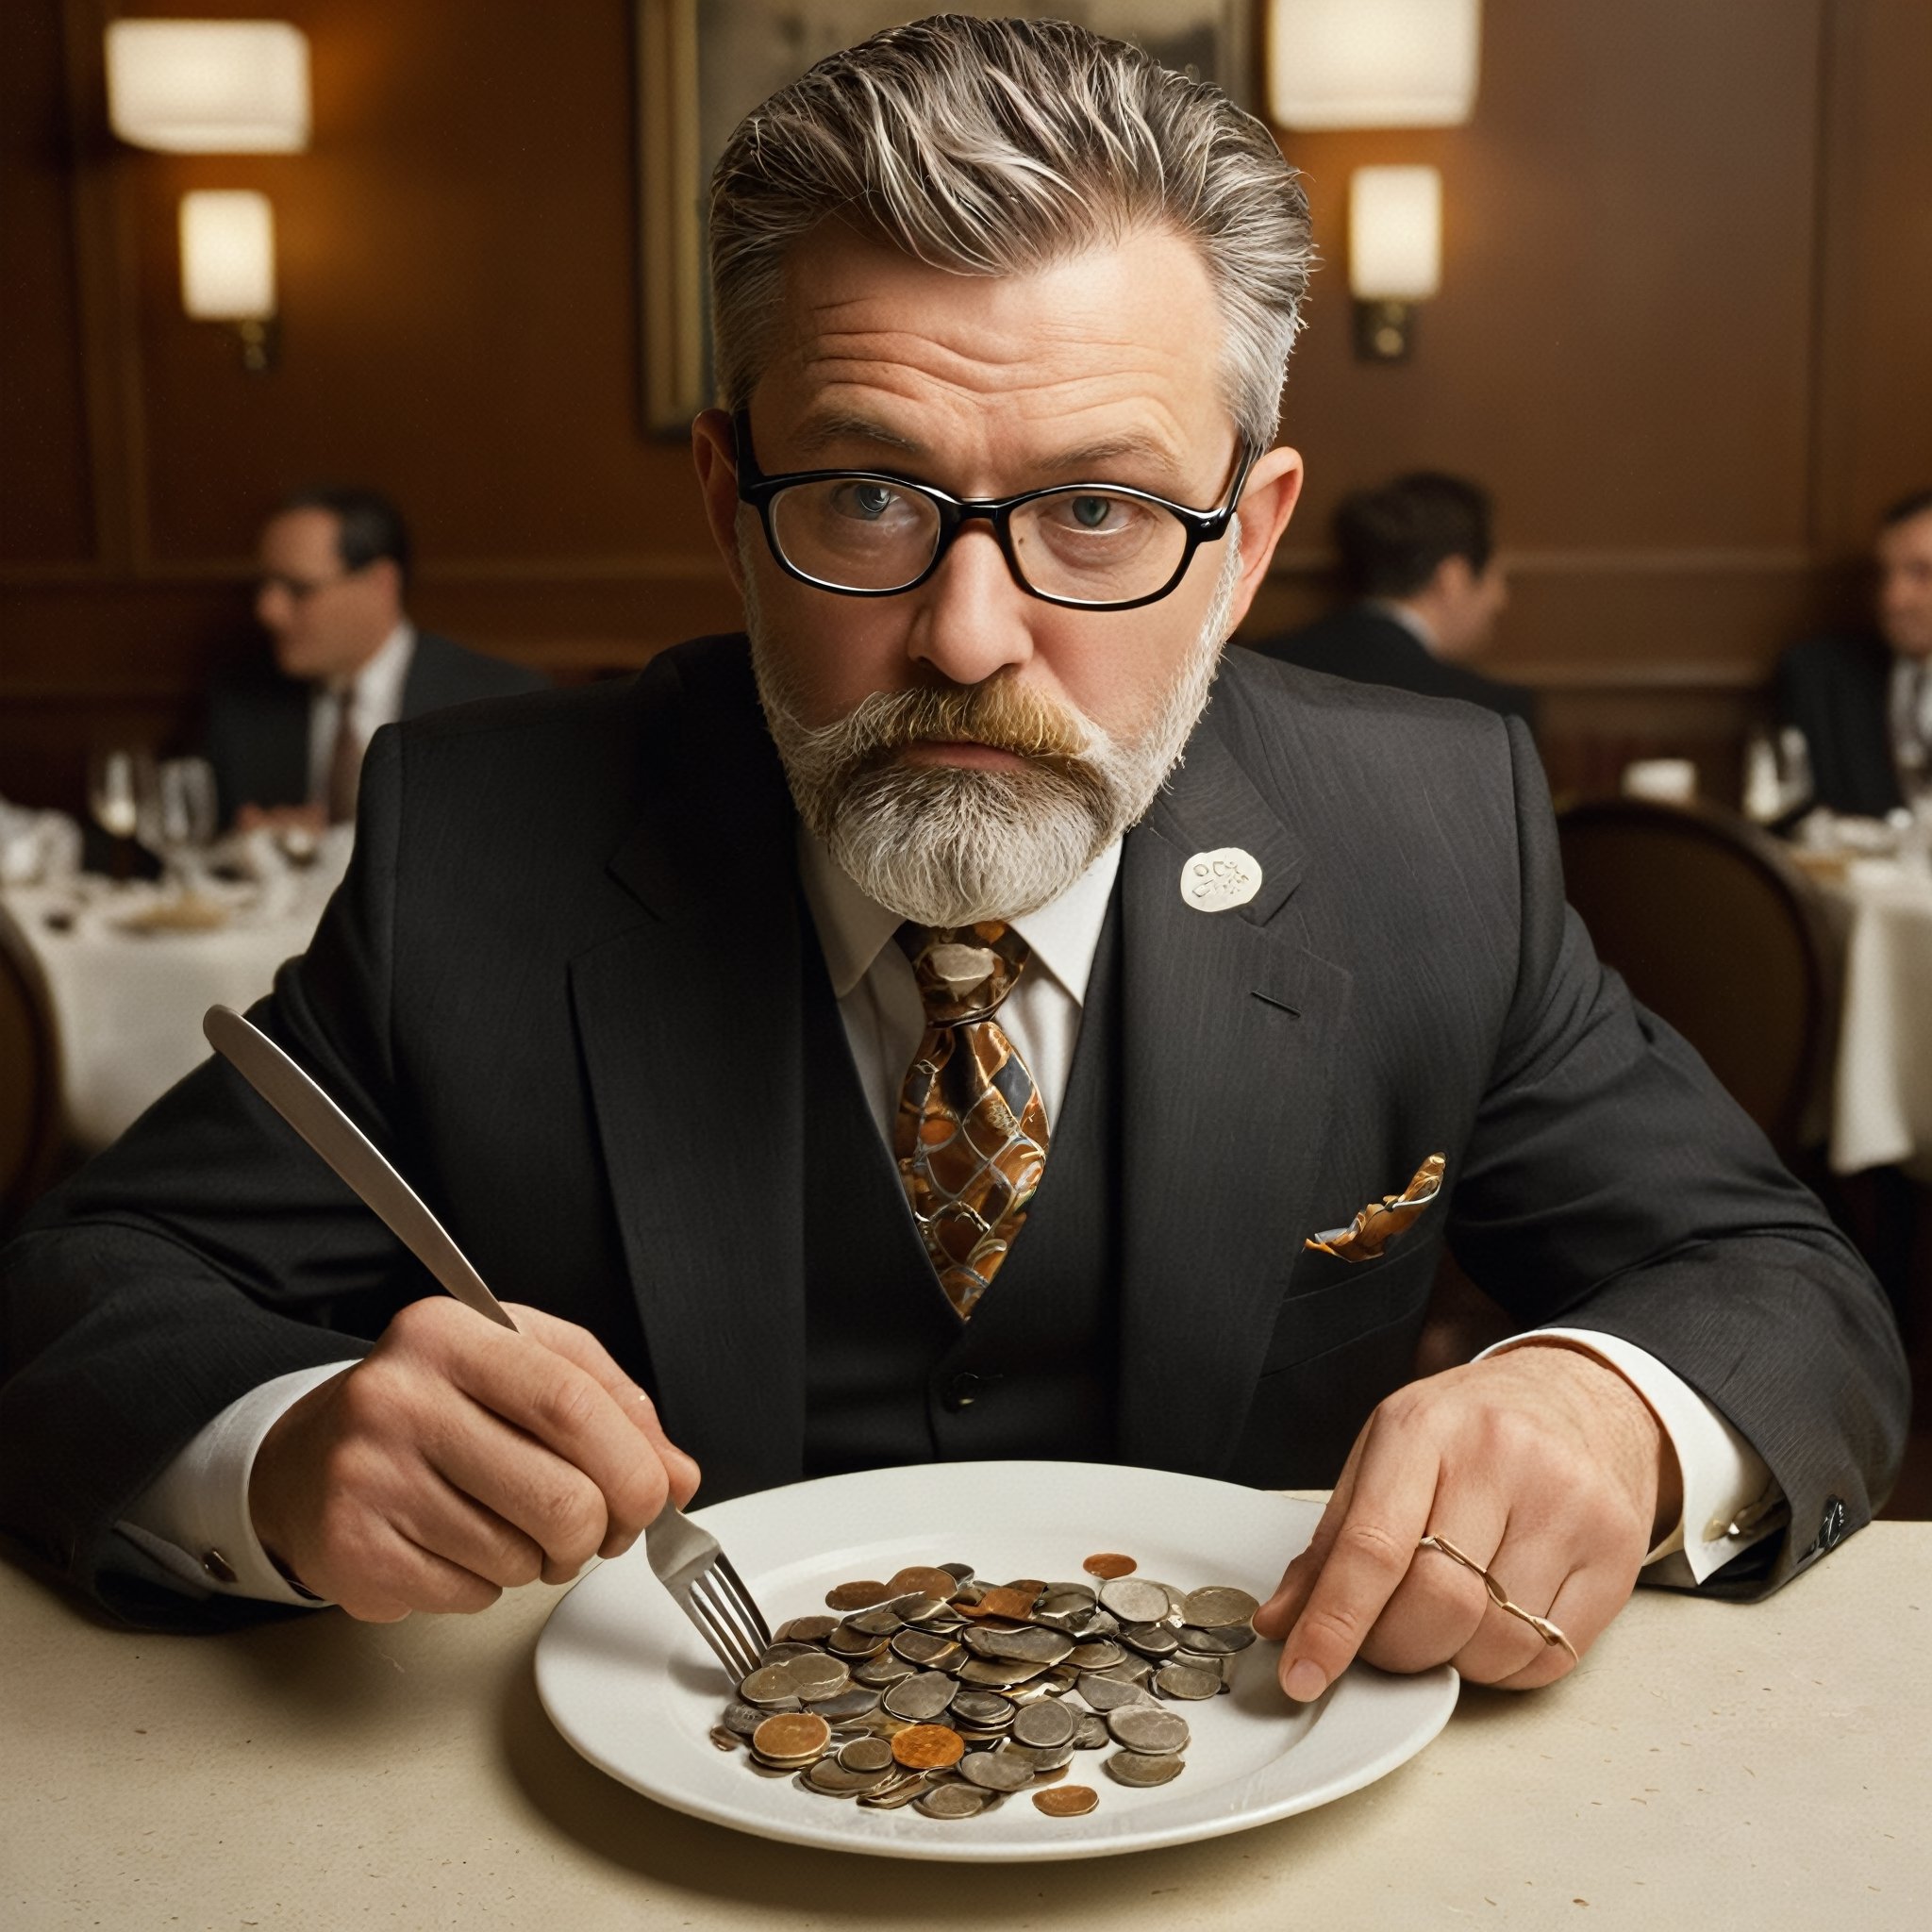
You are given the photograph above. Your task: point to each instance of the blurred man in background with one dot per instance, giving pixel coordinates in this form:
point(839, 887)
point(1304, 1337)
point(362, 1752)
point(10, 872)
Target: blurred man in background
point(286, 739)
point(1425, 591)
point(1863, 699)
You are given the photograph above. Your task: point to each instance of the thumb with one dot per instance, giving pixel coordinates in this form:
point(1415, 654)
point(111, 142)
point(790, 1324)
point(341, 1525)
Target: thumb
point(1276, 1617)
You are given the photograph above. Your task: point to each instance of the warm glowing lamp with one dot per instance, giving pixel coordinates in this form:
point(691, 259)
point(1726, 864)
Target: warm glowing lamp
point(228, 265)
point(209, 87)
point(1372, 63)
point(1394, 254)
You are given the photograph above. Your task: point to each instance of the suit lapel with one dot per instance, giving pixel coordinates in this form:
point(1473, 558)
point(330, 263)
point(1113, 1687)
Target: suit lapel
point(689, 1027)
point(1229, 1021)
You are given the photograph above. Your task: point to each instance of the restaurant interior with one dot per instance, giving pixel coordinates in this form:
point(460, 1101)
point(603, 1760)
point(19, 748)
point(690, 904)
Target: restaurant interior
point(1657, 274)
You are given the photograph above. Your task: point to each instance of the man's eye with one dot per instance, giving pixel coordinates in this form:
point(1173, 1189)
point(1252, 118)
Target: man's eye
point(867, 501)
point(1091, 512)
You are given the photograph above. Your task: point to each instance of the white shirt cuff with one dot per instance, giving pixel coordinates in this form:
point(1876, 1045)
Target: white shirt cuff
point(1729, 1493)
point(193, 1518)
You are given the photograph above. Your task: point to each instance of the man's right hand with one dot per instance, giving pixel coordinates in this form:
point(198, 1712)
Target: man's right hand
point(458, 1458)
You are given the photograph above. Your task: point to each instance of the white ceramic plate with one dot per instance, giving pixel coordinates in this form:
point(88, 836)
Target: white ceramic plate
point(632, 1687)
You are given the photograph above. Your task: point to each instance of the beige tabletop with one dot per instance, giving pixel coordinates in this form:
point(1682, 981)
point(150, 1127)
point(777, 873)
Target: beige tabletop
point(1711, 1765)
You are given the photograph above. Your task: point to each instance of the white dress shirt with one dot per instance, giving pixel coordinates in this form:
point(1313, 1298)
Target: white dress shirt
point(376, 693)
point(200, 1504)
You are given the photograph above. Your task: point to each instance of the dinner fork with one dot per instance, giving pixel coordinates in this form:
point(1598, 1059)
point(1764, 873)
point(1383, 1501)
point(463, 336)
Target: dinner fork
point(686, 1560)
point(707, 1590)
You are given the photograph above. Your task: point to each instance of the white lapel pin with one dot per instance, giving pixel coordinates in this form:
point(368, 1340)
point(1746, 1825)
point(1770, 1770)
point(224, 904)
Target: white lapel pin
point(1220, 880)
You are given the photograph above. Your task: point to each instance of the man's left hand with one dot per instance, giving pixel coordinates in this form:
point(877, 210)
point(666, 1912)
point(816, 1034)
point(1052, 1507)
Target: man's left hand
point(1543, 1464)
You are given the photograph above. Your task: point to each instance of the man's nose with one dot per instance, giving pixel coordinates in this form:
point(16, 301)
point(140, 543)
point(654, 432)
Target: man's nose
point(272, 605)
point(973, 619)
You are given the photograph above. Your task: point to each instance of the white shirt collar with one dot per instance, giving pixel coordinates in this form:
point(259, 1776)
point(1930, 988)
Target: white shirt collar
point(378, 685)
point(1063, 934)
point(1410, 619)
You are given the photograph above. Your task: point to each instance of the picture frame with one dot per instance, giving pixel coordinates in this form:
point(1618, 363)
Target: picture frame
point(701, 68)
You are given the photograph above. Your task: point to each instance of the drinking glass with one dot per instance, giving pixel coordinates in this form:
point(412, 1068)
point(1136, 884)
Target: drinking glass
point(176, 814)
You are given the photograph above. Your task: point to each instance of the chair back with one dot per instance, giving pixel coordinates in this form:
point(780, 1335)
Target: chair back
point(1720, 934)
point(30, 1113)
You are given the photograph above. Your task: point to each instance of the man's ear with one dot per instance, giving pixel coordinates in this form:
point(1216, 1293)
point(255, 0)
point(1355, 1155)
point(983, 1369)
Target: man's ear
point(1273, 488)
point(714, 452)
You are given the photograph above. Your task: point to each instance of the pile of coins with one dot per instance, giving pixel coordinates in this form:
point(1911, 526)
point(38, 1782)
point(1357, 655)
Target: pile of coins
point(937, 1689)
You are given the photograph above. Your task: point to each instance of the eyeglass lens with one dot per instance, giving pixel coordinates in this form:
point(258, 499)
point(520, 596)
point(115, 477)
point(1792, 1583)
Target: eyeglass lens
point(1085, 544)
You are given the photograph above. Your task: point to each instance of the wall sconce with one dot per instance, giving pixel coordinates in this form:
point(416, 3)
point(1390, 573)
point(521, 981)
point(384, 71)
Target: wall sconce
point(209, 87)
point(1395, 255)
point(1372, 63)
point(228, 267)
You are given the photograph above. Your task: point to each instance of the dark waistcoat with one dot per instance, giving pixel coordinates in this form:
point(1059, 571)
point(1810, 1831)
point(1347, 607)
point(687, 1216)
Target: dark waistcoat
point(891, 1374)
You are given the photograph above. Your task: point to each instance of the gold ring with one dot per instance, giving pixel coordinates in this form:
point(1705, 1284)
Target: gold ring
point(1541, 1626)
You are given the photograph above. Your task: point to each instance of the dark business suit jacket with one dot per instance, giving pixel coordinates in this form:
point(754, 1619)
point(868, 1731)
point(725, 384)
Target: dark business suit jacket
point(1837, 691)
point(257, 731)
point(561, 987)
point(1361, 641)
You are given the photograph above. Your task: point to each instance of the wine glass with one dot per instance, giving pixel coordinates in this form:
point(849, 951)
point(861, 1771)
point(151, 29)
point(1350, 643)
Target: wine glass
point(113, 801)
point(176, 815)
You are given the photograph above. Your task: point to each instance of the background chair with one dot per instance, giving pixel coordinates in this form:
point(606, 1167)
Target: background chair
point(1720, 934)
point(30, 1113)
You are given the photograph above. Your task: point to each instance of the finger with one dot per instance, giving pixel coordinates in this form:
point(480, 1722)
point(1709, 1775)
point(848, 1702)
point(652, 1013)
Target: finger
point(581, 1346)
point(1529, 1568)
point(479, 1505)
point(1582, 1609)
point(1367, 1558)
point(399, 1576)
point(1440, 1606)
point(1275, 1618)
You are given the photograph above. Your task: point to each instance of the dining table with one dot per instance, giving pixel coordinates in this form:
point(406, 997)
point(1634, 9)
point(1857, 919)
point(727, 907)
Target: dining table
point(1709, 1764)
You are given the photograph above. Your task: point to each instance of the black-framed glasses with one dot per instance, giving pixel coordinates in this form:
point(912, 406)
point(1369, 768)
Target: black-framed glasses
point(868, 533)
point(300, 590)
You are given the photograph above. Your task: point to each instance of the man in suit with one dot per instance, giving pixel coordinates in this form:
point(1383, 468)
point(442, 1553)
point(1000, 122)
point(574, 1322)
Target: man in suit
point(1425, 592)
point(874, 1042)
point(1863, 699)
point(286, 737)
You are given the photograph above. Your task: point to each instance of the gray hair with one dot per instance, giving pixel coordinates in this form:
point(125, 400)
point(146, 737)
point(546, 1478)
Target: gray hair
point(997, 147)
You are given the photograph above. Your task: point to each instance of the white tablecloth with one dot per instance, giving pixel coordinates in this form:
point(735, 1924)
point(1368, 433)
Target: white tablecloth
point(127, 1005)
point(1881, 1103)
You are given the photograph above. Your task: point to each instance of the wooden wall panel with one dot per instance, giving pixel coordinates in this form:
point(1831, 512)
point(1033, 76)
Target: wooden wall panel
point(1687, 287)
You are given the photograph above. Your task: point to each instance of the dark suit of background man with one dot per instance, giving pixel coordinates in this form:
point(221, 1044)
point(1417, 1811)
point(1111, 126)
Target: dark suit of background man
point(286, 737)
point(1420, 567)
point(671, 995)
point(1863, 699)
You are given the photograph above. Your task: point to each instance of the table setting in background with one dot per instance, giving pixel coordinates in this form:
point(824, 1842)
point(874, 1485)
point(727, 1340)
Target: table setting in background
point(131, 964)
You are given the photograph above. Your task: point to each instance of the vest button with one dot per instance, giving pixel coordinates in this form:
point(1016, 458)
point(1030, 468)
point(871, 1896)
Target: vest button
point(963, 1390)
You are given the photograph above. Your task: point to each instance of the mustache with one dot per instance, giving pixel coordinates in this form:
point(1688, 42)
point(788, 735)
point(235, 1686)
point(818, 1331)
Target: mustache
point(1000, 714)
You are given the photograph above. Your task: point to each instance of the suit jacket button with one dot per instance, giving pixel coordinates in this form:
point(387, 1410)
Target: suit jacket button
point(1831, 1526)
point(963, 1391)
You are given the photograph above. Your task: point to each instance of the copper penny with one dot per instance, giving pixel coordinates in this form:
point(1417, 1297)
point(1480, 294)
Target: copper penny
point(1014, 1604)
point(1110, 1564)
point(920, 1579)
point(1067, 1801)
point(929, 1747)
point(858, 1596)
point(791, 1736)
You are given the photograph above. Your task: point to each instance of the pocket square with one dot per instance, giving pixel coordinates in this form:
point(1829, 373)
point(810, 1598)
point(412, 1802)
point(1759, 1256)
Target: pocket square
point(1380, 1221)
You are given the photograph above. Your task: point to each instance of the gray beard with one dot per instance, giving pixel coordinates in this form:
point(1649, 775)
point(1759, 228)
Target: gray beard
point(946, 845)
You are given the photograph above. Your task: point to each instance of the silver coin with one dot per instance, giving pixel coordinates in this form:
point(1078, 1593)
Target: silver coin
point(847, 1642)
point(1138, 1769)
point(1136, 1600)
point(1149, 1729)
point(883, 1622)
point(1218, 1606)
point(1046, 1761)
point(960, 1572)
point(997, 1673)
point(1092, 1733)
point(808, 1629)
point(921, 1699)
point(1183, 1681)
point(1235, 1637)
point(726, 1740)
point(744, 1717)
point(769, 1686)
point(1100, 1653)
point(877, 1672)
point(783, 1650)
point(817, 1678)
point(1045, 1726)
point(866, 1754)
point(831, 1779)
point(983, 1710)
point(918, 1609)
point(929, 1651)
point(1132, 1669)
point(889, 1797)
point(1108, 1694)
point(951, 1801)
point(995, 1771)
point(855, 1700)
point(1152, 1639)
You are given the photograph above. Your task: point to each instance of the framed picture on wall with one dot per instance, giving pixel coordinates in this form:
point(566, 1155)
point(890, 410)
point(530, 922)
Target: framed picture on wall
point(702, 68)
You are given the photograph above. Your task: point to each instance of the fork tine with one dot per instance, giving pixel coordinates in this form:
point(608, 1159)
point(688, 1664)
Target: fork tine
point(719, 1630)
point(717, 1599)
point(753, 1616)
point(701, 1625)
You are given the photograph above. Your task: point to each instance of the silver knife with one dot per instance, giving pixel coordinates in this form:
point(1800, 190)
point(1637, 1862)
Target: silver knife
point(348, 1150)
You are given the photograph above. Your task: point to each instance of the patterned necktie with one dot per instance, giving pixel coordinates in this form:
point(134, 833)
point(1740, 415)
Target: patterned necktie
point(971, 1135)
point(346, 761)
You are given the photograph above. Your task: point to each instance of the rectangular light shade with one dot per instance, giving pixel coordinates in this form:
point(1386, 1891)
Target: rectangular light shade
point(1394, 234)
point(209, 87)
point(1372, 63)
point(228, 256)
